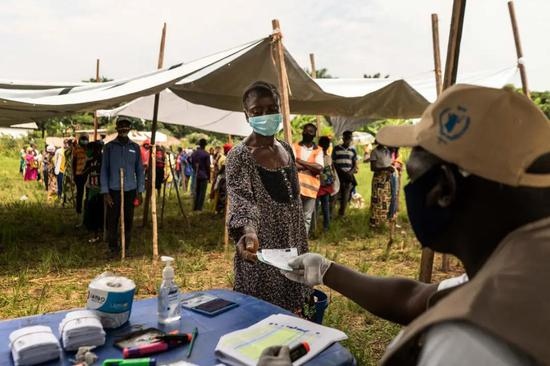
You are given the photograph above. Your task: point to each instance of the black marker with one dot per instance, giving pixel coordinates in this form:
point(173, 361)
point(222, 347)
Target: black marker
point(299, 350)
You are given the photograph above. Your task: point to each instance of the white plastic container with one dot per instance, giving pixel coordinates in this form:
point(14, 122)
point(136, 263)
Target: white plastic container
point(168, 306)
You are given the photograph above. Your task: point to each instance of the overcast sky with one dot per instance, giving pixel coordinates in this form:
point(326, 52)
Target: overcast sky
point(59, 40)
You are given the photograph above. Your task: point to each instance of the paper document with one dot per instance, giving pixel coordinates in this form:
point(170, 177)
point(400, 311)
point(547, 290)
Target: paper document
point(244, 347)
point(278, 257)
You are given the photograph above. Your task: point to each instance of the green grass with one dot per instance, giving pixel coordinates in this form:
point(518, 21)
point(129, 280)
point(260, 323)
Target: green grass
point(46, 263)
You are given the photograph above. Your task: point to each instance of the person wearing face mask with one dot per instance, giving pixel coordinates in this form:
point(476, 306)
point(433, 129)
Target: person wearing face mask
point(345, 162)
point(309, 162)
point(265, 211)
point(121, 153)
point(491, 213)
point(79, 162)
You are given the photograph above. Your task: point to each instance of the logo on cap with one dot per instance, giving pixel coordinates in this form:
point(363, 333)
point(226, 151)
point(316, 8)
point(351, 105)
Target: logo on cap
point(453, 122)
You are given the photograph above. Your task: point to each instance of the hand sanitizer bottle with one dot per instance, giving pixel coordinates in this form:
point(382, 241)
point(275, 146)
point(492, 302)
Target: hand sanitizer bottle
point(168, 297)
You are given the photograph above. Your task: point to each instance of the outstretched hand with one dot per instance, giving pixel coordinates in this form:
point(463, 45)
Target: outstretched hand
point(309, 269)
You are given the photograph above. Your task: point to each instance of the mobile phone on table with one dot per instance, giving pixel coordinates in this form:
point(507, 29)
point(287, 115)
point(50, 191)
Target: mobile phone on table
point(207, 304)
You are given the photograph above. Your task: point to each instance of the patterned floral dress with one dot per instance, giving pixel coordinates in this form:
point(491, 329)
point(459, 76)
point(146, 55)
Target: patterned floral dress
point(269, 201)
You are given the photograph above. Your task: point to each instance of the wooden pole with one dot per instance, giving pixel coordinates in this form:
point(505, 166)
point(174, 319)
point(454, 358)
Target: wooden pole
point(438, 87)
point(163, 202)
point(95, 113)
point(453, 48)
point(283, 78)
point(149, 191)
point(122, 231)
point(519, 51)
point(437, 53)
point(451, 68)
point(314, 76)
point(154, 207)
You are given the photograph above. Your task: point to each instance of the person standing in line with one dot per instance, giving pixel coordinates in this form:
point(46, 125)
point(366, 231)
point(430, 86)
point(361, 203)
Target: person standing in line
point(186, 168)
point(22, 161)
point(328, 176)
point(344, 158)
point(201, 165)
point(46, 163)
point(93, 203)
point(179, 168)
point(59, 167)
point(381, 166)
point(79, 174)
point(121, 153)
point(309, 162)
point(31, 169)
point(159, 166)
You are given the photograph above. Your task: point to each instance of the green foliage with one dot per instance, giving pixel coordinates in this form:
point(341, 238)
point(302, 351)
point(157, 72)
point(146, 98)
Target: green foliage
point(375, 76)
point(542, 100)
point(320, 74)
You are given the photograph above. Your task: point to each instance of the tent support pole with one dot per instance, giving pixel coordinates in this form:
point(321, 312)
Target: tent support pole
point(437, 71)
point(314, 76)
point(519, 51)
point(154, 208)
point(283, 78)
point(451, 68)
point(149, 191)
point(95, 113)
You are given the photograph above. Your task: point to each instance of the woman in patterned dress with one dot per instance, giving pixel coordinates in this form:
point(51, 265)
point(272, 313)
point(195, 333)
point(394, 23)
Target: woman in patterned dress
point(265, 211)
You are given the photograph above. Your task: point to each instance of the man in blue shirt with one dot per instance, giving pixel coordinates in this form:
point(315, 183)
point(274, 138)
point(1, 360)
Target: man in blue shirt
point(201, 166)
point(344, 158)
point(121, 153)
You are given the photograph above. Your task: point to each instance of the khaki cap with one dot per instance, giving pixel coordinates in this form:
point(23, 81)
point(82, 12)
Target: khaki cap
point(492, 133)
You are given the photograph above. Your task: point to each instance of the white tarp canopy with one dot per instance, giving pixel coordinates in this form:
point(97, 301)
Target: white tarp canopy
point(23, 102)
point(177, 111)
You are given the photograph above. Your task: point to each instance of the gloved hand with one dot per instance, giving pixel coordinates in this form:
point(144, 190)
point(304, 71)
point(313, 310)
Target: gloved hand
point(275, 356)
point(309, 269)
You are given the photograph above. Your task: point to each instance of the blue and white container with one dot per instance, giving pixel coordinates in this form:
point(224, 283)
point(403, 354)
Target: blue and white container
point(111, 297)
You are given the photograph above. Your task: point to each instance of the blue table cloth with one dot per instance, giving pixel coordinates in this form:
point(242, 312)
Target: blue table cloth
point(144, 315)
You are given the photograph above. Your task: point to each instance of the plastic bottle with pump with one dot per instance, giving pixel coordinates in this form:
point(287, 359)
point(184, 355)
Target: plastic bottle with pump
point(169, 296)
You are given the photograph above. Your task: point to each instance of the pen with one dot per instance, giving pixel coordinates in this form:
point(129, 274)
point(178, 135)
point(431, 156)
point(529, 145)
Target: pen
point(299, 350)
point(134, 362)
point(195, 334)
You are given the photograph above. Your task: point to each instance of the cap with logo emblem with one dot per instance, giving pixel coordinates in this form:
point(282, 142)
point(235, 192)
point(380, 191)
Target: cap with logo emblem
point(492, 133)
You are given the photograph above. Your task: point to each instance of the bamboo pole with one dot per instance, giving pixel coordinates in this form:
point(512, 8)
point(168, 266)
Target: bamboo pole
point(314, 76)
point(283, 78)
point(453, 48)
point(95, 113)
point(122, 228)
point(163, 202)
point(519, 51)
point(154, 207)
point(149, 191)
point(438, 86)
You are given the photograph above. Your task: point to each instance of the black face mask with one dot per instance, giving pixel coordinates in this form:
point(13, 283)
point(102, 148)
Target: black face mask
point(428, 223)
point(307, 138)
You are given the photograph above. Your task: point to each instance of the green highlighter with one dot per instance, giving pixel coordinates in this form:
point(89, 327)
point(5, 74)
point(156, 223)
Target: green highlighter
point(130, 362)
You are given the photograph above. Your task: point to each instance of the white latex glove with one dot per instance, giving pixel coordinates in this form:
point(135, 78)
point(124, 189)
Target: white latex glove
point(275, 356)
point(309, 269)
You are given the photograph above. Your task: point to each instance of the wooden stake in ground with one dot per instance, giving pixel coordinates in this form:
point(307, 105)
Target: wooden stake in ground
point(122, 230)
point(177, 190)
point(314, 76)
point(154, 207)
point(519, 51)
point(163, 202)
point(451, 68)
point(277, 37)
point(95, 113)
point(148, 189)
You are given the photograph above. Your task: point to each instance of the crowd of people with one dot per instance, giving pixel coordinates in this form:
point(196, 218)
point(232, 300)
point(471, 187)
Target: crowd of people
point(86, 175)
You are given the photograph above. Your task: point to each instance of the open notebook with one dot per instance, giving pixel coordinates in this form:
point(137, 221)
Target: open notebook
point(244, 347)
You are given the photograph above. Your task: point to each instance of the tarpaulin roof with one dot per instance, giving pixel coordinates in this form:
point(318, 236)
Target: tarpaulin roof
point(23, 102)
point(223, 87)
point(177, 111)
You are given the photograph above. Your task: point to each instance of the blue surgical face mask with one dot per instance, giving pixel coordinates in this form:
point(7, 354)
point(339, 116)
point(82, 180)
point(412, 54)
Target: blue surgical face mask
point(266, 125)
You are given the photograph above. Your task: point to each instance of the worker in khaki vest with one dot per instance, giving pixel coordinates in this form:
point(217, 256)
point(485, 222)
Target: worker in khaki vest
point(309, 162)
point(479, 189)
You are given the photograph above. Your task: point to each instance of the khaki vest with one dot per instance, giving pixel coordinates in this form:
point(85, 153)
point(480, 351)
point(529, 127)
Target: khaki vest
point(309, 183)
point(509, 298)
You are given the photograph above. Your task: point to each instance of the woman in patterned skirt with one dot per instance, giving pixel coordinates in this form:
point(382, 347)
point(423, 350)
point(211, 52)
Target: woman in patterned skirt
point(265, 211)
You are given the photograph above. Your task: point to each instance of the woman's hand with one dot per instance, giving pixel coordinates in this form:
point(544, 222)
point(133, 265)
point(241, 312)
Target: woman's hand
point(248, 245)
